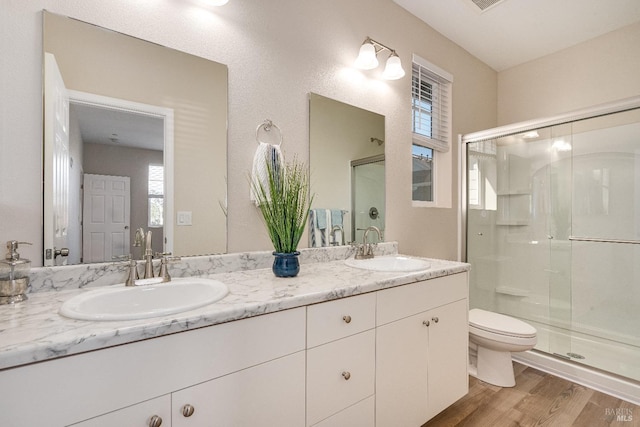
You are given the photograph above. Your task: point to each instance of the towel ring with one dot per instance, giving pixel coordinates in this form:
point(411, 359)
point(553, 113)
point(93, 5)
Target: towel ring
point(267, 125)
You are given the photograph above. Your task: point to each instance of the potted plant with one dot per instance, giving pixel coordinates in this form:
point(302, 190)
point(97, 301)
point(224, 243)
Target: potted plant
point(284, 201)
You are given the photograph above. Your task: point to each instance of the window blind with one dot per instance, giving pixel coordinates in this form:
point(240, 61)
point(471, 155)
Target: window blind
point(431, 105)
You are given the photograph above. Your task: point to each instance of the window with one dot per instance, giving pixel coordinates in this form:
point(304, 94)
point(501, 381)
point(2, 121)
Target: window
point(156, 195)
point(422, 180)
point(431, 111)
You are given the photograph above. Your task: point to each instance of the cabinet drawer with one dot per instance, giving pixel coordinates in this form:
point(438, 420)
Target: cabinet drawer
point(339, 374)
point(362, 414)
point(337, 319)
point(134, 416)
point(404, 301)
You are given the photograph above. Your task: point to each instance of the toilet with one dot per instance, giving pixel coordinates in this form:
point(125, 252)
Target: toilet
point(492, 339)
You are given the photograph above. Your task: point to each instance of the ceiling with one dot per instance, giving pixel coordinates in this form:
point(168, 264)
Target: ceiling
point(512, 32)
point(118, 127)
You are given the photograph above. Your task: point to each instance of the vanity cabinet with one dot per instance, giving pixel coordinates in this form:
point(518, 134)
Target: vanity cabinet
point(341, 361)
point(421, 350)
point(260, 357)
point(394, 357)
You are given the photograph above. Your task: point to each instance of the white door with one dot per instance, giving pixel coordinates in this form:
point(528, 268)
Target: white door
point(401, 372)
point(105, 217)
point(56, 161)
point(448, 350)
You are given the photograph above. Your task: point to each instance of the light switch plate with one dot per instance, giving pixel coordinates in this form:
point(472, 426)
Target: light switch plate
point(184, 217)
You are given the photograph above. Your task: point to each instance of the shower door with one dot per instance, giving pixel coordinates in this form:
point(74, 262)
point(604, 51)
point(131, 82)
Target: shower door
point(518, 224)
point(368, 196)
point(605, 242)
point(553, 235)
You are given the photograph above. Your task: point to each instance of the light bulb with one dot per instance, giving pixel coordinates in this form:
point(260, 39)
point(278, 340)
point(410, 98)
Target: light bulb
point(393, 69)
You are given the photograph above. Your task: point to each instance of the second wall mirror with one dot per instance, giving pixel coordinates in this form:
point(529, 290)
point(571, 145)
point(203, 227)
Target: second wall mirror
point(346, 157)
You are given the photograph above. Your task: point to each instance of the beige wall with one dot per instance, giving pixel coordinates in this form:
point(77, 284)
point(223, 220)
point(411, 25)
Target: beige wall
point(277, 52)
point(598, 71)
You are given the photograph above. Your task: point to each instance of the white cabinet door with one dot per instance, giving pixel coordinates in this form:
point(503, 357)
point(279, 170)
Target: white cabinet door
point(401, 372)
point(140, 415)
point(448, 356)
point(270, 394)
point(421, 359)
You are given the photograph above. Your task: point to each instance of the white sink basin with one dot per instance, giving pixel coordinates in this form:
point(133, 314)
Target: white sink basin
point(394, 263)
point(127, 303)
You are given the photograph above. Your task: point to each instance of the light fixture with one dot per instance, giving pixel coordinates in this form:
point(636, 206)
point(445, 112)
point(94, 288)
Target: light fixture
point(368, 59)
point(393, 68)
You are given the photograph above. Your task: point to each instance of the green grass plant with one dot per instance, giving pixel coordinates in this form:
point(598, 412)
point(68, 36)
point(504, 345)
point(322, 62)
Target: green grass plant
point(284, 201)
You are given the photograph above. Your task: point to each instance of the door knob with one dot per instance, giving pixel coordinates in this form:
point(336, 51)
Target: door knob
point(60, 252)
point(155, 421)
point(347, 319)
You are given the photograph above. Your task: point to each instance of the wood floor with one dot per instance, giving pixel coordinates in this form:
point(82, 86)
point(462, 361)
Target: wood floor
point(538, 399)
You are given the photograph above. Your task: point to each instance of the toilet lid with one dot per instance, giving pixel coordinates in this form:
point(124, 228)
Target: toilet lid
point(500, 324)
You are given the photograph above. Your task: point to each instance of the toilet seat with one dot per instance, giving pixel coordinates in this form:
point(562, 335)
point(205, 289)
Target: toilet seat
point(499, 324)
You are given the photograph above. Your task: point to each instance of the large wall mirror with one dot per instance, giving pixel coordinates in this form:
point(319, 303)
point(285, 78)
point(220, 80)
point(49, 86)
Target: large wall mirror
point(135, 140)
point(346, 156)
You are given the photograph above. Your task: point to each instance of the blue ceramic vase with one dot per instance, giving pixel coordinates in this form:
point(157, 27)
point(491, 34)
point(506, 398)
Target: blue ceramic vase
point(286, 264)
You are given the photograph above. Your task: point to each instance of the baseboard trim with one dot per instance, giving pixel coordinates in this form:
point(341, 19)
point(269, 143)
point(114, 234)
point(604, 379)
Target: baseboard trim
point(604, 382)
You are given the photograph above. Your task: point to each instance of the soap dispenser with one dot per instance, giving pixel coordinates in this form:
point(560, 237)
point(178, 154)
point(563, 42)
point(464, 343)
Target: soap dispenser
point(14, 275)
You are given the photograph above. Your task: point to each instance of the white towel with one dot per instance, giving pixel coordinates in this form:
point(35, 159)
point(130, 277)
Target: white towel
point(259, 172)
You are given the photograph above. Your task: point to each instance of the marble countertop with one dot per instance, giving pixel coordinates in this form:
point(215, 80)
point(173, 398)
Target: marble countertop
point(34, 331)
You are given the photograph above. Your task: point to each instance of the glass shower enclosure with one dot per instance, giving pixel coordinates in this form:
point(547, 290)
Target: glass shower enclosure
point(553, 233)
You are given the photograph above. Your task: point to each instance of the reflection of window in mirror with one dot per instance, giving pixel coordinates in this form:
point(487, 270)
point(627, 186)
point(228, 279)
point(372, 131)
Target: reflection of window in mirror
point(422, 181)
point(430, 106)
point(156, 195)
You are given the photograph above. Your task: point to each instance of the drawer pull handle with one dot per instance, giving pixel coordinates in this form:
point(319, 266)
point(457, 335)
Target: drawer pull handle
point(347, 319)
point(187, 410)
point(426, 323)
point(346, 375)
point(435, 319)
point(155, 421)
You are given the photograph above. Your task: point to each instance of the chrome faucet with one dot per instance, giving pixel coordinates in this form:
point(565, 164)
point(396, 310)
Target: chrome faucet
point(365, 250)
point(333, 235)
point(148, 258)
